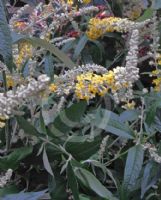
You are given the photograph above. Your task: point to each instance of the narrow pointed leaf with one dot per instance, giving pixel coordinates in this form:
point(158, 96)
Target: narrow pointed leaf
point(133, 167)
point(13, 159)
point(27, 126)
point(90, 181)
point(81, 44)
point(47, 164)
point(25, 196)
point(5, 38)
point(72, 181)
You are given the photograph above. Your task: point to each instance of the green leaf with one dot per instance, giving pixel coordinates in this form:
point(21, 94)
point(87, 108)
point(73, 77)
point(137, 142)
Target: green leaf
point(8, 190)
point(5, 38)
point(27, 126)
point(151, 112)
point(105, 170)
point(42, 124)
point(91, 182)
point(115, 35)
point(111, 122)
point(46, 163)
point(147, 15)
point(72, 181)
point(100, 47)
point(50, 47)
point(75, 111)
point(58, 191)
point(83, 197)
point(25, 196)
point(156, 4)
point(133, 167)
point(49, 70)
point(81, 147)
point(16, 37)
point(68, 118)
point(31, 2)
point(13, 159)
point(129, 115)
point(80, 46)
point(150, 176)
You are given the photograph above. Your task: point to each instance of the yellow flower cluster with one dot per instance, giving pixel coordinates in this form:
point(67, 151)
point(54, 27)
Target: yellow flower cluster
point(98, 27)
point(157, 80)
point(135, 13)
point(89, 85)
point(10, 81)
point(157, 83)
point(159, 59)
point(70, 2)
point(25, 52)
point(133, 9)
point(2, 121)
point(157, 73)
point(129, 105)
point(86, 1)
point(52, 87)
point(19, 25)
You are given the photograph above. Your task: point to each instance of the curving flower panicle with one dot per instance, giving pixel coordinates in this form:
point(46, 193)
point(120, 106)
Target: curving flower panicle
point(98, 27)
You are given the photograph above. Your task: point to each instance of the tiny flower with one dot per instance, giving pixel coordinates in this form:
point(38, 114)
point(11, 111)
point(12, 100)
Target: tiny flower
point(10, 81)
point(129, 105)
point(52, 87)
point(86, 1)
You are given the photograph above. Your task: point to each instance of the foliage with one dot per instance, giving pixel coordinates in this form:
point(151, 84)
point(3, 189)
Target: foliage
point(80, 95)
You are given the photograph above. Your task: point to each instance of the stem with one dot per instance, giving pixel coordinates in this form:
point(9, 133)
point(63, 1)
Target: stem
point(7, 133)
point(113, 142)
point(59, 148)
point(141, 120)
point(92, 133)
point(115, 158)
point(4, 80)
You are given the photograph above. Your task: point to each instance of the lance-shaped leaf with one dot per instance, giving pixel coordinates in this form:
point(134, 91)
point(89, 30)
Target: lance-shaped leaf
point(37, 42)
point(5, 37)
point(150, 176)
point(13, 159)
point(91, 182)
point(133, 167)
point(46, 163)
point(81, 147)
point(25, 196)
point(72, 181)
point(27, 126)
point(156, 4)
point(68, 118)
point(112, 123)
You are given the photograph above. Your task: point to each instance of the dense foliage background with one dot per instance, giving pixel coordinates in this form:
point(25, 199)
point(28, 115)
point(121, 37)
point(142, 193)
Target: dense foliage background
point(80, 100)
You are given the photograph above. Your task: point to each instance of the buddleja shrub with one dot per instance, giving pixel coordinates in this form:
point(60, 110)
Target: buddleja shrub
point(80, 100)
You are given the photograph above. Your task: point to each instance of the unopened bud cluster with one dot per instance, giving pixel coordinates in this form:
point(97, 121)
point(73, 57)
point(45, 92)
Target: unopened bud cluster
point(37, 22)
point(133, 9)
point(126, 76)
point(153, 152)
point(13, 99)
point(4, 179)
point(103, 147)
